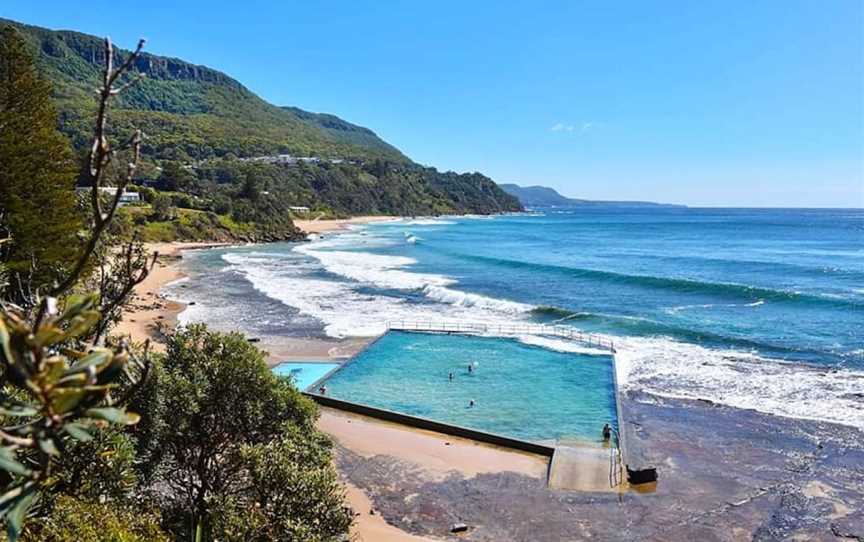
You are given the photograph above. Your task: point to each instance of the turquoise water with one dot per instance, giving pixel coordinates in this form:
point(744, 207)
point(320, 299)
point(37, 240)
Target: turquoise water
point(752, 308)
point(519, 391)
point(304, 374)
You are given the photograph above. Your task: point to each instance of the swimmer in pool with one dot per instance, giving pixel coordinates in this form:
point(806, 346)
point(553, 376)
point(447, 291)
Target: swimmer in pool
point(451, 377)
point(607, 432)
point(471, 403)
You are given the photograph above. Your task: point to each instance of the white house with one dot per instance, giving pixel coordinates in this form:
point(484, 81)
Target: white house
point(125, 198)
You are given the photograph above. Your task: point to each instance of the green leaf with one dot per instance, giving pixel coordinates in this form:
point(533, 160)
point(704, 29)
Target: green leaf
point(97, 358)
point(15, 516)
point(66, 399)
point(47, 445)
point(73, 380)
point(82, 323)
point(113, 415)
point(56, 368)
point(19, 411)
point(49, 335)
point(9, 463)
point(7, 500)
point(76, 305)
point(78, 431)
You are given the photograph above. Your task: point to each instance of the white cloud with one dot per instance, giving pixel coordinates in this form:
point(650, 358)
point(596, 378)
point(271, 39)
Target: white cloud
point(582, 128)
point(561, 127)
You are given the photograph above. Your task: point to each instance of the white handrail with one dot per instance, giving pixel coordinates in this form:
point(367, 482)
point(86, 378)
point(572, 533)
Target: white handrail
point(504, 329)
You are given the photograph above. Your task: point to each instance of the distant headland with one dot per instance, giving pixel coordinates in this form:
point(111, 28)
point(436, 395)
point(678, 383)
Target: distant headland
point(543, 196)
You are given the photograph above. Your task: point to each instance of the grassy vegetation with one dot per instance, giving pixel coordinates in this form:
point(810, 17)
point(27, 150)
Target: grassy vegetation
point(190, 225)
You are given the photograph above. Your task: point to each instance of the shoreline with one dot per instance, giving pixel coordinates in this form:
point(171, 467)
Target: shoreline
point(149, 310)
point(336, 224)
point(711, 474)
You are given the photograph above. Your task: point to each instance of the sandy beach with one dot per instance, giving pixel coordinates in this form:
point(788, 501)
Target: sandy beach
point(323, 226)
point(437, 455)
point(311, 349)
point(427, 455)
point(149, 310)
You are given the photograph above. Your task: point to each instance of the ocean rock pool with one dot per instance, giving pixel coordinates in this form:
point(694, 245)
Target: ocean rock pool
point(304, 373)
point(520, 391)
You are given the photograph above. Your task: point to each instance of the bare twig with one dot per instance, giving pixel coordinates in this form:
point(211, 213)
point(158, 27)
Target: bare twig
point(99, 159)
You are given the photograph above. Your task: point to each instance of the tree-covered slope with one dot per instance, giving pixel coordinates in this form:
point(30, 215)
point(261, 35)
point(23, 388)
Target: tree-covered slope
point(189, 111)
point(201, 125)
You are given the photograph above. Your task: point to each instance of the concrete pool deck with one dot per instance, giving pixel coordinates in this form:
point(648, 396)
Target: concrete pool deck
point(728, 475)
point(575, 465)
point(410, 456)
point(432, 452)
point(582, 468)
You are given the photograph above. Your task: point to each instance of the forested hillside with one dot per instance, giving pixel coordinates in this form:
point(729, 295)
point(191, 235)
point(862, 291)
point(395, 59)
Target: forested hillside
point(201, 129)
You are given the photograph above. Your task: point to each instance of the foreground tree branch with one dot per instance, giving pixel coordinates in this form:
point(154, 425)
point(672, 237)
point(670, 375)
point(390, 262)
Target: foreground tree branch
point(59, 386)
point(101, 155)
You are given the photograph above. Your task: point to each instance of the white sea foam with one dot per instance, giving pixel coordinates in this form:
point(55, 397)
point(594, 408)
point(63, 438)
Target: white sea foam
point(379, 270)
point(680, 308)
point(560, 345)
point(388, 272)
point(466, 299)
point(430, 222)
point(656, 365)
point(675, 369)
point(347, 312)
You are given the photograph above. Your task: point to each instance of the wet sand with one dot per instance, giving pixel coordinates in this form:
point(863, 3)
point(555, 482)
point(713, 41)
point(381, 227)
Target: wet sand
point(435, 454)
point(369, 526)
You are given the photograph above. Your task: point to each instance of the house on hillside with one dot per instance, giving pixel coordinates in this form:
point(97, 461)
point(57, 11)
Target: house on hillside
point(125, 198)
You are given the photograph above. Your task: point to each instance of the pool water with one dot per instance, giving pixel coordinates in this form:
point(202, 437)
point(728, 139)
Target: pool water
point(518, 390)
point(304, 373)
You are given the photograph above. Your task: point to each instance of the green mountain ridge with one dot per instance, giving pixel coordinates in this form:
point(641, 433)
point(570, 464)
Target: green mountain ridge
point(198, 122)
point(189, 111)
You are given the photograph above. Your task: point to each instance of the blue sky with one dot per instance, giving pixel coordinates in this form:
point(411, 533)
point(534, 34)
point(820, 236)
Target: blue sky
point(714, 103)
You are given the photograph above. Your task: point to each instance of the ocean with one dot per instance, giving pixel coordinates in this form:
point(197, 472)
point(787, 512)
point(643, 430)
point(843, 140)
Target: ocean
point(751, 308)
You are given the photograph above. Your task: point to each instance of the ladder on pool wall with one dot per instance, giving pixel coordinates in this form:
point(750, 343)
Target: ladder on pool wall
point(565, 332)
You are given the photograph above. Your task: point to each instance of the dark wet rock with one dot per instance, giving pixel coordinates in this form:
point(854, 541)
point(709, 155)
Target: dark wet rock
point(725, 474)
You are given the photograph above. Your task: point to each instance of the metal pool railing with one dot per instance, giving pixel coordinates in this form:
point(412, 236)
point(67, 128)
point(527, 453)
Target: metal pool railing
point(565, 332)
